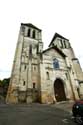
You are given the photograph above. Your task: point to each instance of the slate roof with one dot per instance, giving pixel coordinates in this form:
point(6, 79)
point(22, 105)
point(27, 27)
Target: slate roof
point(30, 25)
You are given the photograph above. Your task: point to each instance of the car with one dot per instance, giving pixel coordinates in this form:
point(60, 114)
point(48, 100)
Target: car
point(77, 111)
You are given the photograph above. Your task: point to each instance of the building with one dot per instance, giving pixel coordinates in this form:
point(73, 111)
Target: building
point(45, 76)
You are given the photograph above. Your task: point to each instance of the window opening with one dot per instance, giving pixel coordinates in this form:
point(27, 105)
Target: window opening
point(56, 64)
point(23, 83)
point(33, 85)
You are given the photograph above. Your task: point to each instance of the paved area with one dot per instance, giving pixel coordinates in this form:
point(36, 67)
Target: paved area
point(34, 114)
point(65, 105)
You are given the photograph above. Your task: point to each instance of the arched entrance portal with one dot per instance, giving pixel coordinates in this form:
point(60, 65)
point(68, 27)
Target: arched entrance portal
point(59, 90)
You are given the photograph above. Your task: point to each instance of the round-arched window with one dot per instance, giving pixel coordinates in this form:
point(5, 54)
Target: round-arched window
point(56, 64)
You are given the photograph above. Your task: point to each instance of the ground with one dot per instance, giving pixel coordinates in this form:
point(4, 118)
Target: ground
point(37, 114)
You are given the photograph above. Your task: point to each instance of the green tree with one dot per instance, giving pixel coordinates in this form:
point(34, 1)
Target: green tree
point(0, 82)
point(5, 84)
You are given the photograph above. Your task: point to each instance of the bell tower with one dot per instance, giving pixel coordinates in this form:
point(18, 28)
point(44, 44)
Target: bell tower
point(23, 77)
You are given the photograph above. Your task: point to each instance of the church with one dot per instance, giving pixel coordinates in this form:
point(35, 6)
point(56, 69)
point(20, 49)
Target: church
point(45, 76)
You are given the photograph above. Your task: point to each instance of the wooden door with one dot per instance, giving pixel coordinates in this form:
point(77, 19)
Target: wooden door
point(59, 90)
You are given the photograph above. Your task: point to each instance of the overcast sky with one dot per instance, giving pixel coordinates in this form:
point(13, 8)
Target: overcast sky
point(62, 16)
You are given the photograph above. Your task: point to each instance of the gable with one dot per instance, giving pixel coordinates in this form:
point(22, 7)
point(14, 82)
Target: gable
point(56, 49)
point(56, 40)
point(51, 55)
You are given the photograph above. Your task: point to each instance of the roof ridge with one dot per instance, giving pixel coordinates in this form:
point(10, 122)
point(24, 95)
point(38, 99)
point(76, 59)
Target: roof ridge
point(31, 25)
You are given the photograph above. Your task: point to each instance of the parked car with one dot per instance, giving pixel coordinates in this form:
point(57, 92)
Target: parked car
point(77, 111)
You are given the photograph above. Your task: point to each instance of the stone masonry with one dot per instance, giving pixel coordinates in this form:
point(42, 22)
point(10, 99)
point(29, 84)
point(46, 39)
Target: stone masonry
point(46, 76)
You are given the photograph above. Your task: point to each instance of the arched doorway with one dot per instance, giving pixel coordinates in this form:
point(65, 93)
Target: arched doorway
point(59, 90)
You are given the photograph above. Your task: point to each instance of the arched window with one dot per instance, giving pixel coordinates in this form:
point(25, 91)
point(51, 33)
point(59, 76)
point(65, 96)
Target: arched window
point(33, 34)
point(56, 64)
point(29, 33)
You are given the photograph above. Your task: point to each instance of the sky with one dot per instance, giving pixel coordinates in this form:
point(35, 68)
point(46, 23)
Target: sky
point(62, 16)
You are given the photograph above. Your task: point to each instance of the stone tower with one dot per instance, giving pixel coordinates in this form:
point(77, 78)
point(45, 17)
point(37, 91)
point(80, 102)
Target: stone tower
point(24, 81)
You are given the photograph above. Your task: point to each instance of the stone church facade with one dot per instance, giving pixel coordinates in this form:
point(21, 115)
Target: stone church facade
point(46, 76)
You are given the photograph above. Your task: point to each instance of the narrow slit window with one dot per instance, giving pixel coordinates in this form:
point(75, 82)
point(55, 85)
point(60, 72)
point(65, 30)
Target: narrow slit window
point(23, 83)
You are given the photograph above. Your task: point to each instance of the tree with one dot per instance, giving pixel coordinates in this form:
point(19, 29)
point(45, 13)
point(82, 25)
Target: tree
point(5, 84)
point(0, 82)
